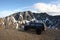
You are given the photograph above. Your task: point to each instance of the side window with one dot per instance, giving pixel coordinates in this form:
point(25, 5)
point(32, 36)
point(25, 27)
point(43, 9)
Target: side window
point(32, 24)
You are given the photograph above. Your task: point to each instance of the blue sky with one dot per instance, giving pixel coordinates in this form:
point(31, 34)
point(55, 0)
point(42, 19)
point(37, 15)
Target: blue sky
point(8, 6)
point(14, 4)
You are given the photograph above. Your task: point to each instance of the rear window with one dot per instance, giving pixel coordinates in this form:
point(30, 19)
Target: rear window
point(39, 24)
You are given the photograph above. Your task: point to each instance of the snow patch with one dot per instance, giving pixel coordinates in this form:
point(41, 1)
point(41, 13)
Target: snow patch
point(21, 15)
point(25, 21)
point(17, 26)
point(13, 19)
point(3, 23)
point(33, 19)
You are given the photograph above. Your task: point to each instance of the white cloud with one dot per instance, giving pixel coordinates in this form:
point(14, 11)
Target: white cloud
point(53, 13)
point(44, 7)
point(50, 8)
point(5, 13)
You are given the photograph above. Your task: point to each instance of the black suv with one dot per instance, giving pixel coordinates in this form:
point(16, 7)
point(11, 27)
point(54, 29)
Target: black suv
point(38, 26)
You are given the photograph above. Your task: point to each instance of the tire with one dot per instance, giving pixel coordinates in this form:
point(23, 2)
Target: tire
point(43, 29)
point(38, 31)
point(26, 28)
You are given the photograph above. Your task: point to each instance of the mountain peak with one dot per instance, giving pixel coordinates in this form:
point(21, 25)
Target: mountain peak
point(18, 18)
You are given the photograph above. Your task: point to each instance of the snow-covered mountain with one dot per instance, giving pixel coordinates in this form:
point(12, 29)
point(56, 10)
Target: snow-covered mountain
point(16, 19)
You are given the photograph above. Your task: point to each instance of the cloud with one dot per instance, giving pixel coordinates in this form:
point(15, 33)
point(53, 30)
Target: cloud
point(5, 13)
point(44, 7)
point(52, 8)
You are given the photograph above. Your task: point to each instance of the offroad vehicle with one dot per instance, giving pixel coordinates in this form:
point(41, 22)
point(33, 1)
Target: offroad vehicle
point(38, 26)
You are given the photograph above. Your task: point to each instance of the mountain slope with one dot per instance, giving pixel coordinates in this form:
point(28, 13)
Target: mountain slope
point(18, 18)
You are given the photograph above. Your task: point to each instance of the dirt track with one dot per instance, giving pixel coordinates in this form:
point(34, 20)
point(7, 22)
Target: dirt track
point(9, 34)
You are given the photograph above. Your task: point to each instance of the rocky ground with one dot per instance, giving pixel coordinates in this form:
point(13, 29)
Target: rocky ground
point(10, 34)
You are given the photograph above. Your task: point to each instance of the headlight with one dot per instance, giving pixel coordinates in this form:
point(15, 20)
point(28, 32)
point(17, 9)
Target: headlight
point(21, 28)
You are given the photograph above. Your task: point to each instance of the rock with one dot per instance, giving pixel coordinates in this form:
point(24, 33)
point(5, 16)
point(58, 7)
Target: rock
point(21, 17)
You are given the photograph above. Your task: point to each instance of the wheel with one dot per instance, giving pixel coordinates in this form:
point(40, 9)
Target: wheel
point(38, 31)
point(42, 29)
point(26, 28)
